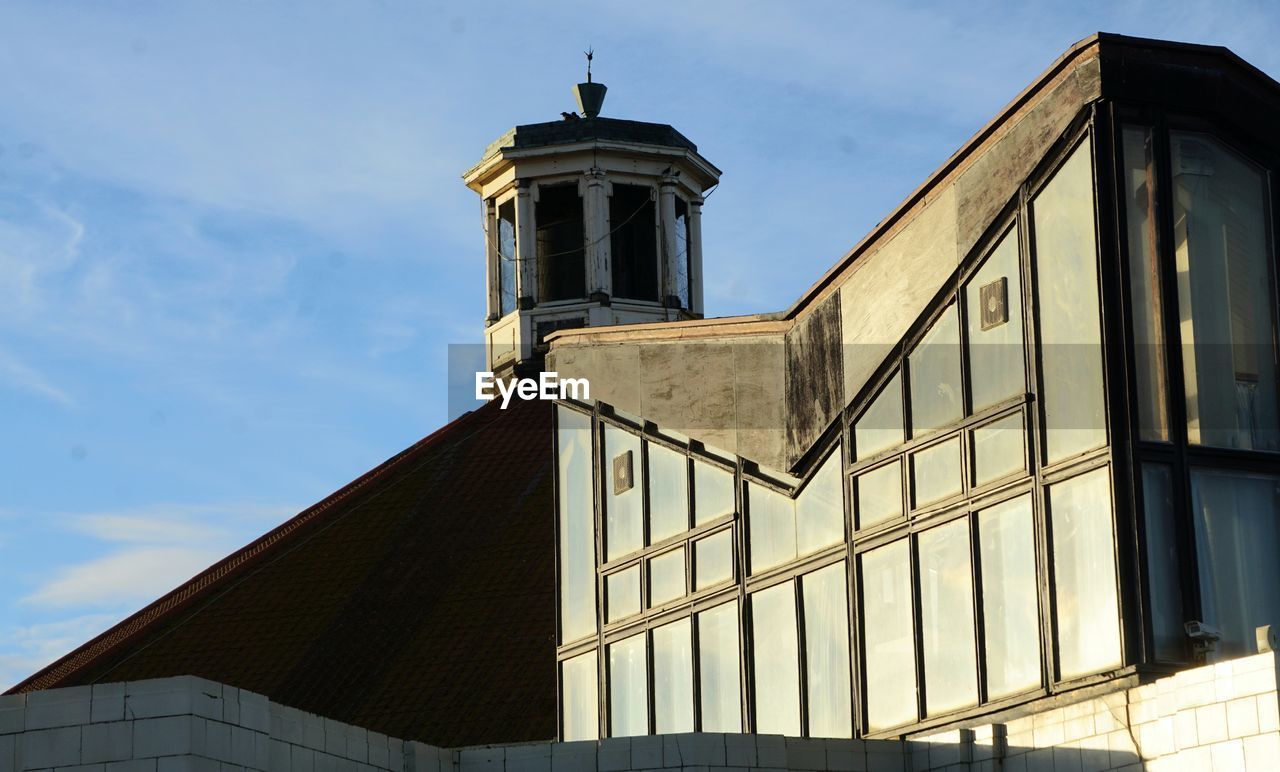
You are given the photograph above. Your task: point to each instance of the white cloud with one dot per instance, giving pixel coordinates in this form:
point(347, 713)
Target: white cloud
point(156, 549)
point(24, 649)
point(130, 575)
point(20, 375)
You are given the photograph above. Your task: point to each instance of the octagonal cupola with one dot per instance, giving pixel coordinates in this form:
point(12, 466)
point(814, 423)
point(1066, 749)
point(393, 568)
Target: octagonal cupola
point(588, 221)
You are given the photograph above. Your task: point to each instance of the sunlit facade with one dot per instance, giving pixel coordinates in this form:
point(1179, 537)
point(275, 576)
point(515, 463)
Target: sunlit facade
point(1069, 455)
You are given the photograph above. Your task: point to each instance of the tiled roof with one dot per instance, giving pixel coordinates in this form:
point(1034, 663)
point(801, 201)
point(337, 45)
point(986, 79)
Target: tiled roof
point(417, 601)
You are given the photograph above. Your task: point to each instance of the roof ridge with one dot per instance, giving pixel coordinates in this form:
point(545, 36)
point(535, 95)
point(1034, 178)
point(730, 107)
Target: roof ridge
point(234, 564)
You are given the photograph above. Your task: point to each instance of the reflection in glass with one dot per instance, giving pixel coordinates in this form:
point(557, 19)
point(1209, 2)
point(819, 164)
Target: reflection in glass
point(826, 650)
point(772, 527)
point(622, 591)
point(666, 577)
point(712, 492)
point(879, 494)
point(935, 376)
point(624, 524)
point(935, 473)
point(1067, 295)
point(889, 648)
point(718, 669)
point(777, 660)
point(946, 618)
point(1010, 613)
point(713, 557)
point(672, 678)
point(506, 257)
point(1223, 257)
point(1163, 569)
point(668, 493)
point(880, 426)
point(1237, 520)
point(995, 338)
point(1084, 573)
point(628, 688)
point(577, 527)
point(820, 509)
point(1144, 283)
point(998, 449)
point(579, 698)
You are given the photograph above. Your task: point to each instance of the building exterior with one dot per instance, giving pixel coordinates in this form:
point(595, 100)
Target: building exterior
point(1001, 490)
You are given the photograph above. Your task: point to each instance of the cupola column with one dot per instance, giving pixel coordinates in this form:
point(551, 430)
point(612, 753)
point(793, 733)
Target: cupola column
point(667, 216)
point(526, 247)
point(595, 202)
point(695, 255)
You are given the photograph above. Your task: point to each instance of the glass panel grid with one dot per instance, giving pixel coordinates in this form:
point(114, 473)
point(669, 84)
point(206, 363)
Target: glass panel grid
point(879, 494)
point(777, 660)
point(888, 636)
point(946, 618)
point(628, 687)
point(622, 590)
point(624, 524)
point(718, 662)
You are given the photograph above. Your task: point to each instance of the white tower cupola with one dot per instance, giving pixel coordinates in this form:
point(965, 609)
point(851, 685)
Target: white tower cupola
point(588, 222)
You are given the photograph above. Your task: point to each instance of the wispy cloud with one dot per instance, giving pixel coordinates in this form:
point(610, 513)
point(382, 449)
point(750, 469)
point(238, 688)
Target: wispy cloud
point(149, 551)
point(19, 375)
point(24, 649)
point(129, 575)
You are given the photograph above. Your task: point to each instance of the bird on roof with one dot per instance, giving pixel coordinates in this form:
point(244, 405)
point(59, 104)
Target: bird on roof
point(569, 116)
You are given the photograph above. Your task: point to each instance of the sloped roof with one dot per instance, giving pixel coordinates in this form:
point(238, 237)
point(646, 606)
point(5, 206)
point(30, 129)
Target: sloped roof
point(417, 601)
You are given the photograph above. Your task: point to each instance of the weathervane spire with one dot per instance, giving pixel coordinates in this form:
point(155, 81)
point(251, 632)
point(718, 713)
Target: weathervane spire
point(590, 53)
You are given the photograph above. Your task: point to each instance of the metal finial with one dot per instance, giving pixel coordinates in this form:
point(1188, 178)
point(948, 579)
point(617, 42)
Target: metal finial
point(590, 53)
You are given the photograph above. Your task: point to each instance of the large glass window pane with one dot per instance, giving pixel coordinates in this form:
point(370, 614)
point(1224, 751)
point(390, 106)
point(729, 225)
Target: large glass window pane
point(880, 426)
point(718, 678)
point(668, 493)
point(1084, 573)
point(936, 473)
point(577, 527)
point(1225, 298)
point(507, 257)
point(993, 305)
point(999, 449)
point(561, 243)
point(628, 687)
point(624, 523)
point(712, 492)
point(1163, 569)
point(579, 699)
point(826, 652)
point(879, 494)
point(772, 527)
point(777, 660)
point(666, 577)
point(672, 678)
point(622, 590)
point(820, 509)
point(1010, 613)
point(1067, 298)
point(946, 618)
point(1144, 283)
point(935, 376)
point(713, 557)
point(889, 644)
point(1237, 520)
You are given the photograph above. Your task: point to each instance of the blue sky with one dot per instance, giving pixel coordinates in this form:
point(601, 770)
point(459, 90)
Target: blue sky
point(234, 245)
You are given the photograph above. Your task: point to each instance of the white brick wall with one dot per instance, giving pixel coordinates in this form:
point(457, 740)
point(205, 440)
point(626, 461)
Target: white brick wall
point(1216, 718)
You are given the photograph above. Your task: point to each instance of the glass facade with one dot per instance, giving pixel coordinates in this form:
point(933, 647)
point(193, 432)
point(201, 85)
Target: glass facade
point(996, 550)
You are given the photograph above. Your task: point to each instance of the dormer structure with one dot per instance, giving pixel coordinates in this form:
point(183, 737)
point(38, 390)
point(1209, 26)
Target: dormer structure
point(588, 222)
